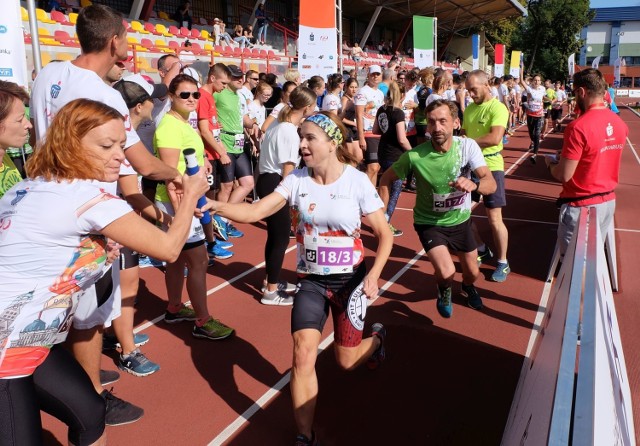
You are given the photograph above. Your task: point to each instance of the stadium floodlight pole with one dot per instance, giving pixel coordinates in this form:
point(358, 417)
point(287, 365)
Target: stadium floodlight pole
point(339, 9)
point(372, 22)
point(35, 40)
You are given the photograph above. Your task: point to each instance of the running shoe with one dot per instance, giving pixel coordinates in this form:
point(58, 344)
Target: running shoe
point(212, 329)
point(473, 298)
point(220, 227)
point(303, 440)
point(501, 272)
point(485, 255)
point(118, 411)
point(396, 232)
point(108, 377)
point(234, 232)
point(277, 297)
point(148, 262)
point(111, 342)
point(444, 303)
point(217, 252)
point(533, 159)
point(379, 355)
point(283, 285)
point(223, 244)
point(184, 314)
point(137, 364)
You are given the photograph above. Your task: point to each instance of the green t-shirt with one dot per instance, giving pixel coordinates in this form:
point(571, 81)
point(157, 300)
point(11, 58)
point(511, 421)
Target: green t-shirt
point(477, 122)
point(230, 118)
point(173, 133)
point(437, 203)
point(9, 176)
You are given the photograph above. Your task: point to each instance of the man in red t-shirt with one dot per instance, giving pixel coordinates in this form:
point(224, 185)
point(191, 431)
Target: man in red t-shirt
point(217, 79)
point(589, 164)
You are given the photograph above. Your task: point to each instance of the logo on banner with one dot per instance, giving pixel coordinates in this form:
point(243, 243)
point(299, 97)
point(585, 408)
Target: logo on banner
point(6, 72)
point(304, 56)
point(3, 29)
point(306, 67)
point(5, 51)
point(330, 57)
point(55, 90)
point(311, 37)
point(324, 38)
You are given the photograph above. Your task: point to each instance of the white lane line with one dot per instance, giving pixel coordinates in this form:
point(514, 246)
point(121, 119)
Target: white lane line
point(237, 424)
point(523, 220)
point(628, 230)
point(148, 324)
point(631, 145)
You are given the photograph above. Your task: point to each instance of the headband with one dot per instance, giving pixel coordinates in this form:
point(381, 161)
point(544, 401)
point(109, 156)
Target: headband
point(328, 126)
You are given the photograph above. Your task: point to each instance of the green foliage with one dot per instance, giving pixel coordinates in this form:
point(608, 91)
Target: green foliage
point(550, 33)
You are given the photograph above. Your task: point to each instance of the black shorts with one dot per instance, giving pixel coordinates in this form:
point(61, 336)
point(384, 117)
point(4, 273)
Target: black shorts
point(556, 113)
point(316, 294)
point(128, 258)
point(352, 134)
point(498, 199)
point(371, 154)
point(457, 238)
point(239, 167)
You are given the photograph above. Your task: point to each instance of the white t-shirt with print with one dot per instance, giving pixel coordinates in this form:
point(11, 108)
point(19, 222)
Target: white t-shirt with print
point(332, 210)
point(281, 145)
point(46, 267)
point(535, 100)
point(246, 94)
point(277, 109)
point(331, 102)
point(450, 95)
point(372, 99)
point(503, 91)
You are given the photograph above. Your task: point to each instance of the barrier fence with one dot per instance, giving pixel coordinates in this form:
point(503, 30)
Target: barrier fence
point(573, 388)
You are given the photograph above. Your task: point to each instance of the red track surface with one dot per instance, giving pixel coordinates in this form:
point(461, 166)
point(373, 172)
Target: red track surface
point(445, 381)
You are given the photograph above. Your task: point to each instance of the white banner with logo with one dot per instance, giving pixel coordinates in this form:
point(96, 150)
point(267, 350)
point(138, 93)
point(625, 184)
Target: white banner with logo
point(616, 72)
point(13, 61)
point(318, 39)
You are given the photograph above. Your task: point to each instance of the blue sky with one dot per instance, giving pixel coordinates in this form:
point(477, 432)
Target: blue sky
point(618, 3)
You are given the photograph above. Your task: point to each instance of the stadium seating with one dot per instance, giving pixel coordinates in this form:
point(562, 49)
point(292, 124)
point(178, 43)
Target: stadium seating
point(60, 18)
point(137, 27)
point(43, 17)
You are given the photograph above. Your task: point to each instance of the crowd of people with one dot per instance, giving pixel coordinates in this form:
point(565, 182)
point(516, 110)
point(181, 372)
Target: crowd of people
point(310, 159)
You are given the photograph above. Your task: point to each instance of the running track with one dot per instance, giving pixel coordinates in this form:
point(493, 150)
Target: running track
point(445, 382)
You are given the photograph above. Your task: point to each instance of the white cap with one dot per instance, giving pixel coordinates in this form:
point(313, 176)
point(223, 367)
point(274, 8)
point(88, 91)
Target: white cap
point(375, 69)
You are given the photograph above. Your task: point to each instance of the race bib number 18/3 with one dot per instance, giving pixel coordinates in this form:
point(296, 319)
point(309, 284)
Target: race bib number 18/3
point(328, 255)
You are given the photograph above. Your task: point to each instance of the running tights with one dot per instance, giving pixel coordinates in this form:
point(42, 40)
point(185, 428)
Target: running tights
point(60, 387)
point(278, 227)
point(535, 124)
point(395, 190)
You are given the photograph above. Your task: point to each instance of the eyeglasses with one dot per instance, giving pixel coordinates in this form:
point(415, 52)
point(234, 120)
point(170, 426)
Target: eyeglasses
point(254, 78)
point(186, 94)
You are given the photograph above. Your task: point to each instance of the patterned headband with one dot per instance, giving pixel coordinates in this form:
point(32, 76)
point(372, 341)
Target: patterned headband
point(330, 128)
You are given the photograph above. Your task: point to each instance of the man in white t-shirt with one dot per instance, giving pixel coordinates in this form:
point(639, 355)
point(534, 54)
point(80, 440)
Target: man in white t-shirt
point(250, 83)
point(103, 42)
point(367, 101)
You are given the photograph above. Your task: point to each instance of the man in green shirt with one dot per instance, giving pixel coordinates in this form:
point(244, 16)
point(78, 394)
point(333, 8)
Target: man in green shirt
point(485, 121)
point(442, 168)
point(238, 167)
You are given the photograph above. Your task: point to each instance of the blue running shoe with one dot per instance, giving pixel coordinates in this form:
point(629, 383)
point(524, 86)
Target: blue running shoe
point(505, 140)
point(444, 303)
point(220, 227)
point(137, 364)
point(501, 272)
point(223, 244)
point(234, 232)
point(147, 262)
point(217, 252)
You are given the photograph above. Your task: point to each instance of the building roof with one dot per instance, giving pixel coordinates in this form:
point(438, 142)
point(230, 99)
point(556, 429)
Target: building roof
point(627, 13)
point(453, 15)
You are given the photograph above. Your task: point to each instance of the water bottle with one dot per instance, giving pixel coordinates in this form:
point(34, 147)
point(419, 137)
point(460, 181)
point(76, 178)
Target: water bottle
point(192, 169)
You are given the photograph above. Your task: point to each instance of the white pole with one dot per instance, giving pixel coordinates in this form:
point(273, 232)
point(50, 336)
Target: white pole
point(35, 41)
point(435, 40)
point(339, 8)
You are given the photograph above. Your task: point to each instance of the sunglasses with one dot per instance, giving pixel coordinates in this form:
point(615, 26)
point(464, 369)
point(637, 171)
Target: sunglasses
point(186, 94)
point(254, 78)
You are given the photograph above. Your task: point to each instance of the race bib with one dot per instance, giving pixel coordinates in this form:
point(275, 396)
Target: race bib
point(328, 255)
point(239, 142)
point(449, 202)
point(216, 134)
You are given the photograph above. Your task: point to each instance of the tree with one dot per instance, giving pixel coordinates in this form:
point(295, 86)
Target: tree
point(550, 33)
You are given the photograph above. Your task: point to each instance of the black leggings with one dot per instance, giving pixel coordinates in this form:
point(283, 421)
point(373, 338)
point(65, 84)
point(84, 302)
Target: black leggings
point(278, 227)
point(60, 387)
point(534, 124)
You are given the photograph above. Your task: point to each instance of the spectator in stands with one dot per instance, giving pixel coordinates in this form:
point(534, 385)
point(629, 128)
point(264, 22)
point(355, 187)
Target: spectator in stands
point(356, 54)
point(239, 37)
point(346, 49)
point(14, 130)
point(589, 164)
point(262, 22)
point(183, 15)
point(248, 33)
point(220, 33)
point(83, 146)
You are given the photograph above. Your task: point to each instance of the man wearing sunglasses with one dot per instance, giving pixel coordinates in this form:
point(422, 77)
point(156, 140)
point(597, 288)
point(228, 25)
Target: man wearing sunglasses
point(251, 80)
